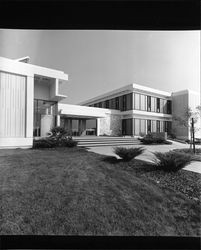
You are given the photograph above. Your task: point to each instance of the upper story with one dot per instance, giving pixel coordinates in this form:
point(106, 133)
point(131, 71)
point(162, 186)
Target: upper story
point(40, 82)
point(134, 97)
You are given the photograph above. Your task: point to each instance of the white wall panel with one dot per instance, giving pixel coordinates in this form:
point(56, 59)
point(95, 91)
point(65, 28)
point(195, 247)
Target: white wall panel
point(12, 105)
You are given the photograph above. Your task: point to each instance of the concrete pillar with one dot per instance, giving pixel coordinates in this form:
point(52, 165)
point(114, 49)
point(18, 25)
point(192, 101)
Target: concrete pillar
point(80, 126)
point(58, 120)
point(133, 126)
point(98, 126)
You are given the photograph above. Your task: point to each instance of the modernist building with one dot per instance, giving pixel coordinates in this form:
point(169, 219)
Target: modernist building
point(30, 105)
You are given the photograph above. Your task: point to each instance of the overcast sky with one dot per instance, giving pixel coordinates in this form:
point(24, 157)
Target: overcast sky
point(100, 61)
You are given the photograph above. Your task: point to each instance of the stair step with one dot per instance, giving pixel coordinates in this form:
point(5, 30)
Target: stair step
point(110, 142)
point(105, 144)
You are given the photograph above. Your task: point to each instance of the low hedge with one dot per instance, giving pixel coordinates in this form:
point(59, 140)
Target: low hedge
point(127, 154)
point(51, 143)
point(172, 161)
point(154, 139)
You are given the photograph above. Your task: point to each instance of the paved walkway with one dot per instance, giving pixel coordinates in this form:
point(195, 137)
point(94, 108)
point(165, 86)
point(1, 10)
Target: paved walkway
point(148, 156)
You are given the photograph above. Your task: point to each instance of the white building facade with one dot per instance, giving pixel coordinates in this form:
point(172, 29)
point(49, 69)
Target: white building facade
point(30, 106)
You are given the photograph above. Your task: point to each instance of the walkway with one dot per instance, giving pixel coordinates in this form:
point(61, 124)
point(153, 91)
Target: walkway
point(148, 156)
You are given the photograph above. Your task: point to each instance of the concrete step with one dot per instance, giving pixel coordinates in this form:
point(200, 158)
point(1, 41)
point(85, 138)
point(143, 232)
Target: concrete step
point(105, 145)
point(106, 139)
point(111, 143)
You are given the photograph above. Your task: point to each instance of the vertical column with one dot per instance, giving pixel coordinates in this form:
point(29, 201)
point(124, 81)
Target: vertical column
point(133, 126)
point(98, 126)
point(79, 126)
point(58, 120)
point(70, 124)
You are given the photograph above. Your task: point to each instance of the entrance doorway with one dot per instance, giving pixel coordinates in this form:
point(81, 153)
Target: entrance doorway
point(44, 117)
point(79, 126)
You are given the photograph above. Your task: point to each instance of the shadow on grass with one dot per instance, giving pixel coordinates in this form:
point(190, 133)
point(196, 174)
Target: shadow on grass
point(112, 159)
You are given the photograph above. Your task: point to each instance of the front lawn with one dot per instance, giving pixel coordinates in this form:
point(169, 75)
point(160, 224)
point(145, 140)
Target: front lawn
point(68, 191)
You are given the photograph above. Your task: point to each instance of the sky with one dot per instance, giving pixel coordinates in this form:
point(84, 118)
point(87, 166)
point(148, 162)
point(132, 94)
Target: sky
point(98, 61)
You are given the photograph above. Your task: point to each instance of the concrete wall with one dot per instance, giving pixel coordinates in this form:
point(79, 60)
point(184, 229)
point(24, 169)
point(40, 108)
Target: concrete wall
point(181, 101)
point(19, 100)
point(179, 106)
point(110, 125)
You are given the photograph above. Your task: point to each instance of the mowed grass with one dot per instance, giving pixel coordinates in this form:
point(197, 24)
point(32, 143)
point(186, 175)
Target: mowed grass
point(74, 192)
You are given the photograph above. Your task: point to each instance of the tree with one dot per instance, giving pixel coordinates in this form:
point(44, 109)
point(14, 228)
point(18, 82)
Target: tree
point(189, 120)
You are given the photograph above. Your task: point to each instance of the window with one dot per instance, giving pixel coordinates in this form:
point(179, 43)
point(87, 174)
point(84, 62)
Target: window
point(169, 107)
point(127, 126)
point(137, 101)
point(165, 126)
point(117, 103)
point(165, 107)
point(96, 105)
point(112, 103)
point(161, 126)
point(148, 126)
point(161, 105)
point(158, 105)
point(142, 102)
point(137, 126)
point(100, 105)
point(158, 126)
point(107, 104)
point(153, 104)
point(148, 103)
point(143, 127)
point(124, 102)
point(153, 126)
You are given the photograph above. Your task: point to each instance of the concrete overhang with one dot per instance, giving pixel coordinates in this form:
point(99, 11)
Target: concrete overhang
point(78, 111)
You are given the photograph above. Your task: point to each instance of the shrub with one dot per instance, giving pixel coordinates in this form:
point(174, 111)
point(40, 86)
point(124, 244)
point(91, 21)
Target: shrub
point(43, 143)
point(154, 138)
point(172, 135)
point(172, 161)
point(59, 132)
point(128, 154)
point(69, 143)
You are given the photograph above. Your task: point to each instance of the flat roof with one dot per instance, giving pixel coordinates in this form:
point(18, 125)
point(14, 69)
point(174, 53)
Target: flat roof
point(18, 67)
point(128, 88)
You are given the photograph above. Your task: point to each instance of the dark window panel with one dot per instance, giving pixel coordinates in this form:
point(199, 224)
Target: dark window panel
point(169, 107)
point(148, 126)
point(117, 103)
point(158, 105)
point(148, 103)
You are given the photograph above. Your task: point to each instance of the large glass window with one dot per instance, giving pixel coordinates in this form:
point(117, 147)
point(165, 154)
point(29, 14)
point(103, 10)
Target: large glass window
point(137, 126)
point(41, 109)
point(137, 101)
point(153, 126)
point(157, 126)
point(158, 105)
point(153, 104)
point(100, 105)
point(142, 102)
point(124, 102)
point(165, 106)
point(161, 126)
point(169, 107)
point(127, 126)
point(107, 104)
point(143, 126)
point(148, 126)
point(117, 103)
point(148, 103)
